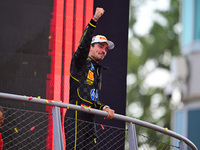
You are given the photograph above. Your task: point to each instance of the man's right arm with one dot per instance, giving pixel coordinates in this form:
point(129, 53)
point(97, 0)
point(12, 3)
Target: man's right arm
point(84, 46)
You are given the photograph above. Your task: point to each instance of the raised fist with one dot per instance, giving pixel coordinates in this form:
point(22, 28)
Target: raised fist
point(99, 12)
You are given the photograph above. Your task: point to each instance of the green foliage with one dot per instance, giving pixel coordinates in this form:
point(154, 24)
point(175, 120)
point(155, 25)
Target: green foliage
point(162, 41)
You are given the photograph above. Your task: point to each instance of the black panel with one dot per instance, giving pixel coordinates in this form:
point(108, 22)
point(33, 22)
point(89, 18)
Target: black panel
point(24, 60)
point(114, 25)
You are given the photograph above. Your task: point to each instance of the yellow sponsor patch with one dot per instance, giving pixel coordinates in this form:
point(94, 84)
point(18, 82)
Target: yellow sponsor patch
point(90, 75)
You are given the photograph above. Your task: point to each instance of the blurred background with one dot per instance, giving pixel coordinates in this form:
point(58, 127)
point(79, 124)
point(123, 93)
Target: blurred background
point(163, 85)
point(155, 64)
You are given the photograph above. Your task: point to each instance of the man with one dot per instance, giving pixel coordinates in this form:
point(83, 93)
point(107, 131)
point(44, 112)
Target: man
point(85, 83)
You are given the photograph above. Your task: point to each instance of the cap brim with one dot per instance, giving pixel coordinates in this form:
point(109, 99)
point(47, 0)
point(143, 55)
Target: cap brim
point(111, 45)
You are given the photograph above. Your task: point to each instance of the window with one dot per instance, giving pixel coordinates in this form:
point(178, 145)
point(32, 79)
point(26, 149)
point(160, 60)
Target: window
point(190, 40)
point(180, 124)
point(197, 20)
point(187, 21)
point(193, 126)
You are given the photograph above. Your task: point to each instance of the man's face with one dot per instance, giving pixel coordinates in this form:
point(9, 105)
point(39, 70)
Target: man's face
point(99, 51)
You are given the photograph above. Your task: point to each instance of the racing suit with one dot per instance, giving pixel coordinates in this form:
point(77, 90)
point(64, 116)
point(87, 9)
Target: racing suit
point(85, 83)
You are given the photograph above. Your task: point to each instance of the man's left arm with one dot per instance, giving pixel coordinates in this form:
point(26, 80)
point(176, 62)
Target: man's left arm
point(106, 108)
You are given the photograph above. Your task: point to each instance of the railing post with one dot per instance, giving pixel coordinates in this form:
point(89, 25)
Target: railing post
point(132, 138)
point(57, 129)
point(182, 145)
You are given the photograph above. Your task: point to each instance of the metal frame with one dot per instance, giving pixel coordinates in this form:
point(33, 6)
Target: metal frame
point(182, 145)
point(102, 113)
point(57, 129)
point(132, 137)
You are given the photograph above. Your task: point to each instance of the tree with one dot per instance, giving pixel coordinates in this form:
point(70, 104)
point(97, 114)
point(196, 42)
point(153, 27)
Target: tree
point(149, 103)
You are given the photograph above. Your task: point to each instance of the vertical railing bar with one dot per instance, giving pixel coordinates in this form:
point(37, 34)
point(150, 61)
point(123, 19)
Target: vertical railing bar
point(182, 145)
point(57, 129)
point(60, 129)
point(132, 138)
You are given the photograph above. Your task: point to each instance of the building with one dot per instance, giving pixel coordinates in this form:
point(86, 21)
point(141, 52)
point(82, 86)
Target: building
point(186, 70)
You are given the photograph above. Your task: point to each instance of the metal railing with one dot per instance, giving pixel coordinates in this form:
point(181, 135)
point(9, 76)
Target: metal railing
point(57, 127)
point(22, 129)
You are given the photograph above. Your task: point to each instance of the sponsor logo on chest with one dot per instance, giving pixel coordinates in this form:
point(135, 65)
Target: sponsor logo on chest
point(94, 94)
point(90, 78)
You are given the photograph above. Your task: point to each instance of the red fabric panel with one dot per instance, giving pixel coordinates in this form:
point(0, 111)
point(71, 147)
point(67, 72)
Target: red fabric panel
point(89, 8)
point(78, 22)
